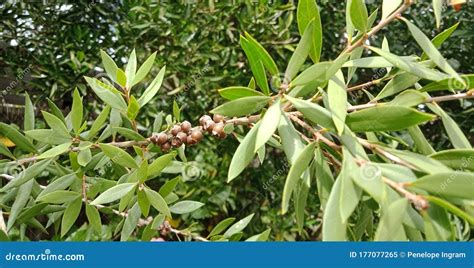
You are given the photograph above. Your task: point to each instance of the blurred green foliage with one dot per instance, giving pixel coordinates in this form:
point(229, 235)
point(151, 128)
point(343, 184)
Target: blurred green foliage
point(198, 42)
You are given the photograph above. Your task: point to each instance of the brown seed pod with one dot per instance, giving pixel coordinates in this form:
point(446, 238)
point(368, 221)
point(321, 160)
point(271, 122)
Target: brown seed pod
point(154, 138)
point(196, 135)
point(190, 140)
point(204, 119)
point(218, 129)
point(175, 130)
point(182, 136)
point(176, 142)
point(222, 135)
point(161, 138)
point(209, 125)
point(165, 147)
point(218, 118)
point(186, 126)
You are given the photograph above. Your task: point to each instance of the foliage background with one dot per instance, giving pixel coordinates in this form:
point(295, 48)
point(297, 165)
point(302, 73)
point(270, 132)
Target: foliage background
point(46, 49)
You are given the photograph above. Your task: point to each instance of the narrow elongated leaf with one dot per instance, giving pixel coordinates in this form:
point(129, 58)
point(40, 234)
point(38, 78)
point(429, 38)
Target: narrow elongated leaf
point(301, 52)
point(268, 124)
point(263, 55)
point(421, 162)
point(422, 145)
point(58, 184)
point(76, 112)
point(157, 166)
point(17, 138)
point(306, 12)
point(290, 139)
point(337, 100)
point(22, 197)
point(55, 151)
point(56, 111)
point(144, 69)
point(439, 39)
point(386, 118)
point(153, 88)
point(221, 226)
point(133, 108)
point(300, 200)
point(29, 122)
point(431, 50)
point(451, 208)
point(131, 69)
point(456, 158)
point(109, 65)
point(450, 84)
point(408, 98)
point(56, 124)
point(389, 6)
point(242, 106)
point(143, 203)
point(186, 206)
point(437, 8)
point(238, 226)
point(84, 157)
point(397, 84)
point(256, 65)
point(334, 227)
point(107, 94)
point(70, 215)
point(315, 72)
point(133, 216)
point(301, 164)
point(359, 15)
point(262, 237)
point(59, 197)
point(114, 193)
point(369, 178)
point(157, 201)
point(350, 193)
point(99, 122)
point(27, 174)
point(118, 155)
point(453, 184)
point(47, 136)
point(93, 217)
point(244, 154)
point(456, 136)
point(313, 112)
point(390, 227)
point(232, 93)
point(368, 62)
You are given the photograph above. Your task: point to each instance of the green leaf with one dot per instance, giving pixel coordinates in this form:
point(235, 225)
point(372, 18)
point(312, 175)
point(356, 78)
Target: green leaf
point(244, 153)
point(313, 112)
point(368, 62)
point(143, 203)
point(118, 155)
point(422, 145)
point(337, 100)
point(399, 83)
point(129, 134)
point(55, 151)
point(263, 55)
point(133, 216)
point(440, 38)
point(262, 237)
point(256, 64)
point(324, 178)
point(221, 226)
point(99, 122)
point(369, 178)
point(411, 67)
point(316, 72)
point(22, 197)
point(58, 197)
point(437, 8)
point(385, 118)
point(16, 137)
point(450, 84)
point(269, 124)
point(454, 184)
point(421, 162)
point(451, 208)
point(169, 186)
point(56, 124)
point(390, 227)
point(306, 12)
point(157, 201)
point(431, 50)
point(290, 139)
point(144, 69)
point(238, 226)
point(5, 151)
point(408, 98)
point(301, 53)
point(93, 217)
point(456, 158)
point(455, 134)
point(47, 136)
point(131, 69)
point(350, 193)
point(359, 15)
point(84, 157)
point(56, 111)
point(27, 174)
point(114, 193)
point(70, 215)
point(109, 65)
point(76, 112)
point(58, 184)
point(389, 6)
point(29, 120)
point(107, 94)
point(301, 164)
point(176, 111)
point(300, 200)
point(242, 106)
point(334, 227)
point(233, 93)
point(157, 166)
point(153, 88)
point(184, 207)
point(133, 108)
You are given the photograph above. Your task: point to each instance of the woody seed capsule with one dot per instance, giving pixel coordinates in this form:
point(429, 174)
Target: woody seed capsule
point(218, 118)
point(175, 130)
point(185, 126)
point(165, 147)
point(182, 136)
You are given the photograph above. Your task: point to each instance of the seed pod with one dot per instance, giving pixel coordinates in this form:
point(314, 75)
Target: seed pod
point(175, 142)
point(218, 118)
point(196, 135)
point(165, 147)
point(182, 136)
point(175, 130)
point(209, 125)
point(222, 135)
point(161, 138)
point(186, 126)
point(204, 119)
point(190, 140)
point(154, 138)
point(218, 129)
